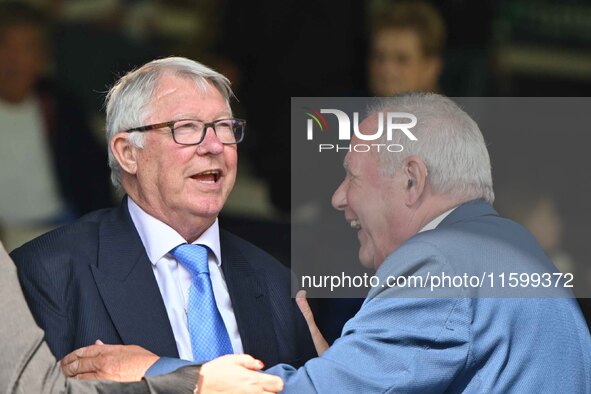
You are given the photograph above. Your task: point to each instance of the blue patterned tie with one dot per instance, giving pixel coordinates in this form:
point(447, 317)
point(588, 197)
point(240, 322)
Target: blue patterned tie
point(209, 337)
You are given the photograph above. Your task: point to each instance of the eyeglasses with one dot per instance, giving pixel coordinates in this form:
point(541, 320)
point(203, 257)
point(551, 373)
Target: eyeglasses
point(192, 132)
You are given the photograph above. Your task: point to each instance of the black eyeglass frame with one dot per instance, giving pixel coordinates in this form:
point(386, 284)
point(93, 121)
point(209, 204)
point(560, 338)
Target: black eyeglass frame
point(206, 126)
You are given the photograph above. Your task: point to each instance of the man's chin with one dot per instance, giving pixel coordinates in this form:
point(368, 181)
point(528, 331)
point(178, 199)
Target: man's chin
point(366, 261)
point(204, 209)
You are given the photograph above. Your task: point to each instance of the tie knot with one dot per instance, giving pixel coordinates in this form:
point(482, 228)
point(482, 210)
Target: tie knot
point(192, 257)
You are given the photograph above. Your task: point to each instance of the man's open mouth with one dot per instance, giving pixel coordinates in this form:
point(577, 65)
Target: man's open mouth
point(210, 176)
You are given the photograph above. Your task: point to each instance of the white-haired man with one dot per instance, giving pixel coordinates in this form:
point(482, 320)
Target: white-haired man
point(157, 272)
point(427, 211)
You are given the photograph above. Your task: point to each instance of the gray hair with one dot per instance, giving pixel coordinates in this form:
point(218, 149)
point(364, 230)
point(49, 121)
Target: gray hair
point(449, 142)
point(127, 103)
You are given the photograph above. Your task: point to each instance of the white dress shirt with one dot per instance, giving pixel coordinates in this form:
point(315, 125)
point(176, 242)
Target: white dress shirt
point(174, 280)
point(435, 222)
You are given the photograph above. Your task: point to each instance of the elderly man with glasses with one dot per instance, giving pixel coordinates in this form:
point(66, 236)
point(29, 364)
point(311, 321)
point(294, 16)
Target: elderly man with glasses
point(157, 274)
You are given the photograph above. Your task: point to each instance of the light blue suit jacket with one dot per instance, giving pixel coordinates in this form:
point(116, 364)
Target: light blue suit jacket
point(462, 343)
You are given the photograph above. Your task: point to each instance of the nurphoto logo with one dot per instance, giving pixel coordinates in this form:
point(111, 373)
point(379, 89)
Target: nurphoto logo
point(388, 122)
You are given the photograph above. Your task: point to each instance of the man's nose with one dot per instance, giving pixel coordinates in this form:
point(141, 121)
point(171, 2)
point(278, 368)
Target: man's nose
point(339, 198)
point(211, 143)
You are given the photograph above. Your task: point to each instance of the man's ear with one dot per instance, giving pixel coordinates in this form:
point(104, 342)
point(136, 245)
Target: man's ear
point(125, 153)
point(415, 172)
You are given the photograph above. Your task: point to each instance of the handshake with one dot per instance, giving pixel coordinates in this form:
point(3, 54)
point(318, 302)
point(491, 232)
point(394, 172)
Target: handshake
point(239, 373)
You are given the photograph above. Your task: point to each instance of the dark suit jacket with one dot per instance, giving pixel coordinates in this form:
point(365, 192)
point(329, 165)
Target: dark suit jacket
point(93, 280)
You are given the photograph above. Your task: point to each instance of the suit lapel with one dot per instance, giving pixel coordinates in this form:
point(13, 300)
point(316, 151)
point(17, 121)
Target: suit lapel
point(250, 303)
point(129, 290)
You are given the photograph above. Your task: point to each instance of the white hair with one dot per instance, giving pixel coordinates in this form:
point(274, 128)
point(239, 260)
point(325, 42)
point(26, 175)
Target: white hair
point(127, 103)
point(448, 141)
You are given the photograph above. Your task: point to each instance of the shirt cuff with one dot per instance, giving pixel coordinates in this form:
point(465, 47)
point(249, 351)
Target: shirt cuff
point(166, 365)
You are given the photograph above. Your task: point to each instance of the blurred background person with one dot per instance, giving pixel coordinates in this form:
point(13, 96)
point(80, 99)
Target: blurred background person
point(539, 213)
point(406, 47)
point(47, 149)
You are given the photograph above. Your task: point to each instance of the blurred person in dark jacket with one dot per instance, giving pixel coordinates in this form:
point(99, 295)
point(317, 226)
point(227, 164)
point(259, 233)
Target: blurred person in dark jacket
point(47, 149)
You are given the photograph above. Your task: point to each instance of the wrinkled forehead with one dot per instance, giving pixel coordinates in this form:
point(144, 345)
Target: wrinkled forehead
point(170, 82)
point(171, 90)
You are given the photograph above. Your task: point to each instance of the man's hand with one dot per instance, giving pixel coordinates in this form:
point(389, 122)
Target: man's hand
point(124, 363)
point(319, 342)
point(236, 374)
